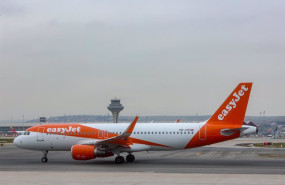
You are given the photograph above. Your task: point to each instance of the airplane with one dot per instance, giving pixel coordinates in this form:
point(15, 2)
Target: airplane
point(88, 141)
point(16, 132)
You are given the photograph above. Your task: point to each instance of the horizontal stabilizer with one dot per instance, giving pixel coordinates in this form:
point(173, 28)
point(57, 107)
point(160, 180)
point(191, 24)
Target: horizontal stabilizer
point(229, 132)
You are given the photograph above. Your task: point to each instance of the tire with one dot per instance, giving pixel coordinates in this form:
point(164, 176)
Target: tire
point(130, 158)
point(119, 160)
point(44, 159)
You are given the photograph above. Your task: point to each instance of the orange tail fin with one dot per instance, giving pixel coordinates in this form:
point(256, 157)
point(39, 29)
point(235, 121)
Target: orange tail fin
point(234, 108)
point(13, 130)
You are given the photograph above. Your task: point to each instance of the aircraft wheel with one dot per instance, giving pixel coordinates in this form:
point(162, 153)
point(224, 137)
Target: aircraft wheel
point(119, 160)
point(44, 159)
point(130, 158)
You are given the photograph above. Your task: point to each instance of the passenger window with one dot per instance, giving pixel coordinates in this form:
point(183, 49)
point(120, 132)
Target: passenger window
point(158, 132)
point(162, 132)
point(148, 132)
point(141, 132)
point(155, 132)
point(184, 132)
point(144, 132)
point(188, 132)
point(166, 132)
point(151, 132)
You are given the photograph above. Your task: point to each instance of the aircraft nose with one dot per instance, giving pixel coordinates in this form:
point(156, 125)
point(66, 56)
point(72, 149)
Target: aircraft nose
point(17, 141)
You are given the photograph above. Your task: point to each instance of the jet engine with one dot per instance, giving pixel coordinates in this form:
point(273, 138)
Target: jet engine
point(87, 152)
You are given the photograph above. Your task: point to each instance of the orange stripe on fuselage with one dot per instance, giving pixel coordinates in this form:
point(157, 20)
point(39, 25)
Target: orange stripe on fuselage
point(75, 130)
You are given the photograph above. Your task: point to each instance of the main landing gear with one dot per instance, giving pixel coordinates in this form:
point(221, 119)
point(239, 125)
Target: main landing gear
point(45, 159)
point(119, 159)
point(129, 158)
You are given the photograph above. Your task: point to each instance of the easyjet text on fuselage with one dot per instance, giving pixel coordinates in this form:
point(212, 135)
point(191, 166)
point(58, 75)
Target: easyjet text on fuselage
point(64, 130)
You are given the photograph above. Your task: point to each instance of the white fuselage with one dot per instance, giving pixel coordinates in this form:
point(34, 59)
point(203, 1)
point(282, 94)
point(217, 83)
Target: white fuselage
point(174, 135)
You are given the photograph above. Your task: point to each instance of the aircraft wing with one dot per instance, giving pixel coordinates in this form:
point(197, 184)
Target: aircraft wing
point(121, 140)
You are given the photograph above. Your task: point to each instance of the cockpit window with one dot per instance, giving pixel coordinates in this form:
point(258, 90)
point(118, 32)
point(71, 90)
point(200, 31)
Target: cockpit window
point(26, 133)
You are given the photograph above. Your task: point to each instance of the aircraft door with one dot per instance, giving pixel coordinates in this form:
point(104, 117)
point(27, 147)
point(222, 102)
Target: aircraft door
point(106, 134)
point(203, 132)
point(102, 134)
point(40, 134)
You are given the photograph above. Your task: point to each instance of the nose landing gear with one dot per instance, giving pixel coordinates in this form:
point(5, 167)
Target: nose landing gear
point(45, 159)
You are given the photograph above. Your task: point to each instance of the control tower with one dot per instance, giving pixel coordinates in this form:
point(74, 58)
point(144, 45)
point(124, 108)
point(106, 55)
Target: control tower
point(115, 107)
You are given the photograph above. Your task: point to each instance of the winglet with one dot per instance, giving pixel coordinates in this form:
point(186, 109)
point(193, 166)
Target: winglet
point(132, 126)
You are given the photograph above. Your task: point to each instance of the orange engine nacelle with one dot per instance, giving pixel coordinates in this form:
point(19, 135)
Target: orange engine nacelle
point(87, 152)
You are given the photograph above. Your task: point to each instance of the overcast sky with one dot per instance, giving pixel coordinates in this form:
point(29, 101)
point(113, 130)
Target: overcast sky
point(159, 57)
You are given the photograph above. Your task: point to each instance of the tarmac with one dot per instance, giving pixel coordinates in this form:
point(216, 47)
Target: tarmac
point(223, 163)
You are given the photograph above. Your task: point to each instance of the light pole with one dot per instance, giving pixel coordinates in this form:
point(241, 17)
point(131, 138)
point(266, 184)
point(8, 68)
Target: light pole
point(23, 121)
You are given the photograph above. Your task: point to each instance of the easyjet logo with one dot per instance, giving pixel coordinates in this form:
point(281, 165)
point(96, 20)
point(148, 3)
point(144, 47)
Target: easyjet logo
point(63, 130)
point(233, 103)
